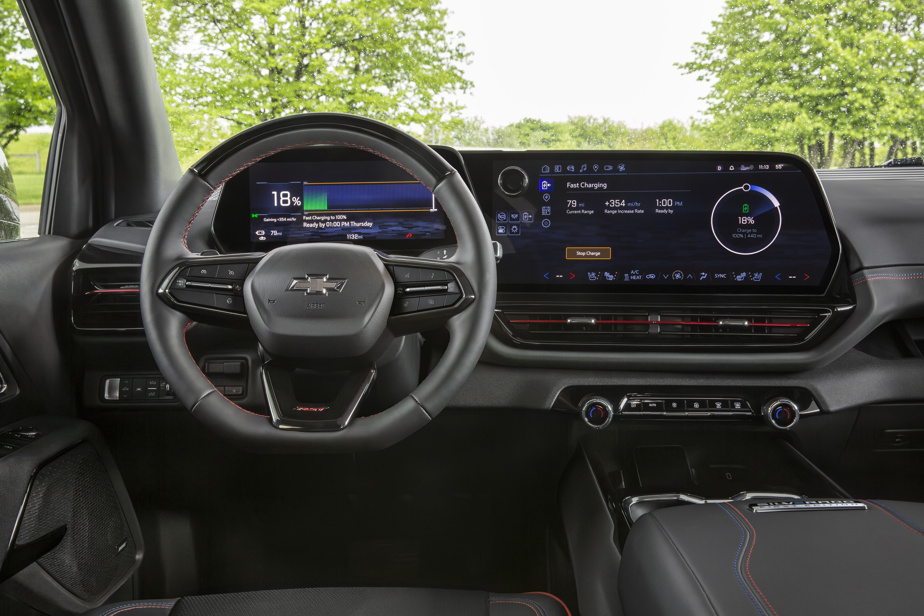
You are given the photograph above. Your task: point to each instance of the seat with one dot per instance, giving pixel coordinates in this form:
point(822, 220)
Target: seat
point(723, 559)
point(347, 602)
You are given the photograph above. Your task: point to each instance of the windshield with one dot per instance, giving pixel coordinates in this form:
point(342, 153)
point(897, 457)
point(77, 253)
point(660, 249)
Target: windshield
point(840, 83)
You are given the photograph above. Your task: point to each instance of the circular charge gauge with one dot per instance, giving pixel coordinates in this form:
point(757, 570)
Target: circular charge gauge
point(746, 220)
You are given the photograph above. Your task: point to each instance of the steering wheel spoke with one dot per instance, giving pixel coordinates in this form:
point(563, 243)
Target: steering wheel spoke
point(314, 401)
point(210, 288)
point(427, 293)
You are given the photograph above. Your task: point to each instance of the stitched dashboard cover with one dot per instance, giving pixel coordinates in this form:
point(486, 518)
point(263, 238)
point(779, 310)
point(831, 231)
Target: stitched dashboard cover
point(75, 491)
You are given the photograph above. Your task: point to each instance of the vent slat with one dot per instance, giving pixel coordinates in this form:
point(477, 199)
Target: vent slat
point(698, 326)
point(106, 298)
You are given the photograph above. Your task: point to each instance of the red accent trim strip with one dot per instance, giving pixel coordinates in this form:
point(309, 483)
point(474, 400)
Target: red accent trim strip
point(567, 611)
point(565, 321)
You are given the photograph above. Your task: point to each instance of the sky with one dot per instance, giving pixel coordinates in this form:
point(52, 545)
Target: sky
point(549, 59)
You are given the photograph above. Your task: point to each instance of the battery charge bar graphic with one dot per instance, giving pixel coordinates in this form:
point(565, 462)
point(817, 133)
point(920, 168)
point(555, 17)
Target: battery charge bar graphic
point(367, 197)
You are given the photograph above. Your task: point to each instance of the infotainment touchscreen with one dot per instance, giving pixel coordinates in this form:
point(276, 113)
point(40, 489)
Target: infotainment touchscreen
point(666, 221)
point(343, 200)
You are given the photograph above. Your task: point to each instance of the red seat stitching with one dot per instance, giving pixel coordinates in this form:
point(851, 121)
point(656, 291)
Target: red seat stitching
point(533, 608)
point(567, 611)
point(747, 563)
point(893, 517)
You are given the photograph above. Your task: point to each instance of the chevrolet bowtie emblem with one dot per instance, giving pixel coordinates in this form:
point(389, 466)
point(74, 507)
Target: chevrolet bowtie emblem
point(316, 284)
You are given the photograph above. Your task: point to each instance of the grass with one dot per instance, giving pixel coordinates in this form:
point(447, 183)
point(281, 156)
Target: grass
point(29, 184)
point(29, 188)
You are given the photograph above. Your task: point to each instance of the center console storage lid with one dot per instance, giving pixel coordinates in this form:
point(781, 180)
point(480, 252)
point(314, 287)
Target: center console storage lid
point(731, 558)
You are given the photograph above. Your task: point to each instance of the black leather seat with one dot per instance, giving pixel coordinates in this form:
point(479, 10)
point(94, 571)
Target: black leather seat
point(346, 602)
point(723, 559)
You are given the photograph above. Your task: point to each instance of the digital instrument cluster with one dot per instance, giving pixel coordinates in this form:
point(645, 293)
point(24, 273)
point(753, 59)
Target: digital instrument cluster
point(684, 222)
point(329, 194)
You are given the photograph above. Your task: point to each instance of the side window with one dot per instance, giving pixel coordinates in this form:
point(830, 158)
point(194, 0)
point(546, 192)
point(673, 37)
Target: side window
point(27, 112)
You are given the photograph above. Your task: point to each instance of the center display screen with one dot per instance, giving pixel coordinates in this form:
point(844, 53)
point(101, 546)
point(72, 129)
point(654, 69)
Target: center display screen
point(340, 201)
point(750, 223)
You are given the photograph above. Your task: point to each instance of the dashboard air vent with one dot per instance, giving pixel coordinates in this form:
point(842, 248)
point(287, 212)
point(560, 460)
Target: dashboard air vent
point(670, 327)
point(106, 298)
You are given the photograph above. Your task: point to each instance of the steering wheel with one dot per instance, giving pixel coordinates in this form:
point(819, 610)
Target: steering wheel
point(363, 293)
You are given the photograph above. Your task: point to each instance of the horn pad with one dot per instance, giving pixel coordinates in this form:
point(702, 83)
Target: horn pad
point(319, 301)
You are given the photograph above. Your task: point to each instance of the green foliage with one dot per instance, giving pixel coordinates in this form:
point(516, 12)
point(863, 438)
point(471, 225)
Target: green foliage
point(25, 96)
point(224, 66)
point(582, 133)
point(819, 77)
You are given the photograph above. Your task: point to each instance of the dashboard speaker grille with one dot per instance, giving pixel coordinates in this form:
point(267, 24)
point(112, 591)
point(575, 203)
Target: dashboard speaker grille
point(659, 326)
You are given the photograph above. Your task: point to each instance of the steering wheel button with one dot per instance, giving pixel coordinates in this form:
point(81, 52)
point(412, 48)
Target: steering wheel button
point(232, 271)
point(195, 298)
point(405, 305)
point(179, 283)
point(229, 302)
point(204, 271)
point(407, 274)
point(429, 275)
point(452, 298)
point(432, 301)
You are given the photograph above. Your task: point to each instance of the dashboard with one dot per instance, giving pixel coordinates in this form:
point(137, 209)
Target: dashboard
point(635, 250)
point(751, 223)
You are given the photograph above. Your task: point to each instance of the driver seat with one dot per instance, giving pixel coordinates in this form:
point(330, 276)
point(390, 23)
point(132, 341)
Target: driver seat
point(347, 602)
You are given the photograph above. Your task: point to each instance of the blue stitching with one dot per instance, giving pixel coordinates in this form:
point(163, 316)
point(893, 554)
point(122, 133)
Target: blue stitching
point(737, 555)
point(867, 277)
point(140, 605)
point(519, 599)
point(910, 523)
point(534, 604)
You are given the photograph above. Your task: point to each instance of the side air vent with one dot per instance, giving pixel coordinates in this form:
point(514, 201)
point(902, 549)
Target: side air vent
point(660, 326)
point(106, 298)
point(138, 223)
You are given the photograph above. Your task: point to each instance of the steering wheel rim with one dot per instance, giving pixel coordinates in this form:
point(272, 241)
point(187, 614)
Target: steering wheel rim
point(166, 327)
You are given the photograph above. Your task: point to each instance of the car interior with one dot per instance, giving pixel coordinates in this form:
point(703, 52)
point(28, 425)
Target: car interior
point(332, 369)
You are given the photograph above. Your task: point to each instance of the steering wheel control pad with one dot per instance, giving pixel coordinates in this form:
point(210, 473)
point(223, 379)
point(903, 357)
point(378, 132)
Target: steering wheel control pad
point(319, 301)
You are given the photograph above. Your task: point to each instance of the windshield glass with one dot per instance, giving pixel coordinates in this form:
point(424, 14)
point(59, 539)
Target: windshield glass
point(840, 83)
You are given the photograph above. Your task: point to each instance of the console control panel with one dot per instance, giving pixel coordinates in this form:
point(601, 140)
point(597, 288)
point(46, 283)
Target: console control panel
point(14, 439)
point(148, 388)
point(682, 406)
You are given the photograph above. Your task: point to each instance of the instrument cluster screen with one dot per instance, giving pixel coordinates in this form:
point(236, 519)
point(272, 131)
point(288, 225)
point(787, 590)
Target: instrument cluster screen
point(750, 224)
point(340, 201)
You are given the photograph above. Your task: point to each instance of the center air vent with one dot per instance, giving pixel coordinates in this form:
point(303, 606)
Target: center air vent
point(106, 298)
point(660, 326)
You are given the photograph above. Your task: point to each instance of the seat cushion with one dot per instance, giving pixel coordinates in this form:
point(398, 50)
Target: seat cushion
point(723, 559)
point(347, 602)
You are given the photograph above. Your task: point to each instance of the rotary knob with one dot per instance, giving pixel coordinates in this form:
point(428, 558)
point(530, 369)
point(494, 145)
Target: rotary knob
point(513, 181)
point(597, 412)
point(781, 413)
